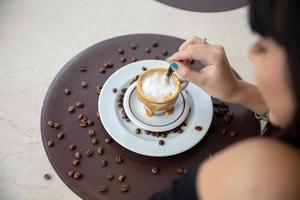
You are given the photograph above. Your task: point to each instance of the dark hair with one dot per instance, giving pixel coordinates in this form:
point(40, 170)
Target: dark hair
point(280, 20)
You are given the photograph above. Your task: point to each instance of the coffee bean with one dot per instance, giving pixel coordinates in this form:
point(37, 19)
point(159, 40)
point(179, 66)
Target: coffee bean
point(154, 170)
point(71, 173)
point(108, 140)
point(124, 188)
point(90, 122)
point(110, 64)
point(161, 142)
point(98, 89)
point(105, 65)
point(77, 175)
point(102, 70)
point(72, 147)
point(95, 141)
point(98, 115)
point(82, 68)
point(89, 152)
point(122, 59)
point(121, 178)
point(119, 159)
point(165, 53)
point(224, 131)
point(100, 150)
point(79, 104)
point(50, 143)
point(121, 51)
point(50, 123)
point(84, 84)
point(155, 44)
point(60, 135)
point(147, 50)
point(198, 128)
point(127, 119)
point(78, 155)
point(76, 162)
point(83, 124)
point(91, 132)
point(103, 188)
point(114, 90)
point(124, 90)
point(67, 91)
point(147, 132)
point(137, 131)
point(104, 163)
point(179, 131)
point(134, 59)
point(47, 176)
point(80, 116)
point(184, 124)
point(120, 98)
point(133, 45)
point(164, 135)
point(110, 177)
point(233, 133)
point(56, 125)
point(179, 170)
point(123, 111)
point(154, 134)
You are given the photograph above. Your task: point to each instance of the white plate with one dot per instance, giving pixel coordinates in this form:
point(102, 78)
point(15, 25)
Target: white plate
point(136, 112)
point(123, 132)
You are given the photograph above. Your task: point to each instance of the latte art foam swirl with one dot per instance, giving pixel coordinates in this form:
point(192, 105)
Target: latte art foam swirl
point(154, 86)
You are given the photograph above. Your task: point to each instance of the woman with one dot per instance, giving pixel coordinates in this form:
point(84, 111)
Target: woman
point(255, 168)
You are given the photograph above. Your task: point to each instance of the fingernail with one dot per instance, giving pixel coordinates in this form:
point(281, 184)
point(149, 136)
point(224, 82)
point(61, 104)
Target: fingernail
point(174, 66)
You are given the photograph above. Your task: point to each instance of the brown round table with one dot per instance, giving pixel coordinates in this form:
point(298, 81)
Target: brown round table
point(137, 168)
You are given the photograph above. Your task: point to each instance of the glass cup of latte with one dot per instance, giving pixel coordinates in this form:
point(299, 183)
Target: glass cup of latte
point(158, 95)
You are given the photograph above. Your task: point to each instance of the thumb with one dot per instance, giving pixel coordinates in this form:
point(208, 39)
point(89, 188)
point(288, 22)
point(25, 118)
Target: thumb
point(186, 73)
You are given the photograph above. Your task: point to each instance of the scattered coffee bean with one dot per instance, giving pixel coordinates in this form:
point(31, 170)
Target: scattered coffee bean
point(90, 122)
point(100, 150)
point(95, 141)
point(224, 131)
point(144, 68)
point(121, 51)
point(198, 128)
point(155, 44)
point(104, 163)
point(121, 178)
point(89, 152)
point(110, 177)
point(71, 109)
point(83, 84)
point(137, 131)
point(47, 176)
point(82, 68)
point(110, 64)
point(76, 162)
point(103, 188)
point(78, 155)
point(56, 125)
point(50, 143)
point(157, 57)
point(154, 170)
point(119, 159)
point(233, 133)
point(72, 147)
point(71, 173)
point(134, 59)
point(98, 89)
point(50, 123)
point(60, 135)
point(91, 132)
point(98, 115)
point(79, 104)
point(122, 59)
point(124, 90)
point(147, 50)
point(165, 53)
point(83, 124)
point(127, 119)
point(133, 45)
point(147, 132)
point(77, 175)
point(161, 142)
point(80, 116)
point(108, 140)
point(114, 90)
point(124, 188)
point(179, 131)
point(102, 70)
point(67, 91)
point(179, 170)
point(105, 65)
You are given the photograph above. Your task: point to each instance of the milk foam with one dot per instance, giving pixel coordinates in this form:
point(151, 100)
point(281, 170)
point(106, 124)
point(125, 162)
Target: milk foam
point(155, 86)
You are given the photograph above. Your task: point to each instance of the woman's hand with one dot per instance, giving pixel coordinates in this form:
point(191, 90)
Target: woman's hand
point(216, 78)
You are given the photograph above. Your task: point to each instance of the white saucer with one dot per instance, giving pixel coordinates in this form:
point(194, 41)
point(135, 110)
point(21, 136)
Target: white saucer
point(123, 132)
point(136, 112)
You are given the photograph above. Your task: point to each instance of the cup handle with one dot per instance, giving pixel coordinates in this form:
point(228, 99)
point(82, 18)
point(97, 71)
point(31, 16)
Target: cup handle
point(184, 84)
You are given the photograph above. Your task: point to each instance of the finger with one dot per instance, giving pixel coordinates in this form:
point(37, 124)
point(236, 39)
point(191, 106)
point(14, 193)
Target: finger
point(190, 41)
point(186, 73)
